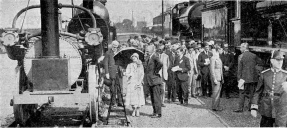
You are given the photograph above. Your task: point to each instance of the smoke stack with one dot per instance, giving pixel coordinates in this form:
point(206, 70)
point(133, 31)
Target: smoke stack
point(50, 28)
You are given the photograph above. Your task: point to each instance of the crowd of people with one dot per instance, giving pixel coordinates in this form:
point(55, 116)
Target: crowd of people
point(188, 69)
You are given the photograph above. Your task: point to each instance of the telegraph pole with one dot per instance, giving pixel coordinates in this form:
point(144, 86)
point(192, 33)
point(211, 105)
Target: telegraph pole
point(162, 19)
point(132, 20)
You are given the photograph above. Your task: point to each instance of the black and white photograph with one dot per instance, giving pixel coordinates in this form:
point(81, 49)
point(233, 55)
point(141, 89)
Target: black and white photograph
point(143, 63)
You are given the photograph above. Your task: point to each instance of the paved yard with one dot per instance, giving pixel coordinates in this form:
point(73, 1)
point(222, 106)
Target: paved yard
point(193, 115)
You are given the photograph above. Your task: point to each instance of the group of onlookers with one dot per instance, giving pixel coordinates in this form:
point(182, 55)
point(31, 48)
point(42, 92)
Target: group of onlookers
point(192, 69)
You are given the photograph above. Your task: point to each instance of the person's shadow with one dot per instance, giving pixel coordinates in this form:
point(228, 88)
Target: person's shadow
point(196, 106)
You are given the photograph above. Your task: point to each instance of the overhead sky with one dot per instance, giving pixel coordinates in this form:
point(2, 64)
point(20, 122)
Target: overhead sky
point(142, 9)
point(118, 9)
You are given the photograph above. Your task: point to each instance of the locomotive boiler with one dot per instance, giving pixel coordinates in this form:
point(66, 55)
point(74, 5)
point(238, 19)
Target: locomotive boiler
point(55, 67)
point(186, 20)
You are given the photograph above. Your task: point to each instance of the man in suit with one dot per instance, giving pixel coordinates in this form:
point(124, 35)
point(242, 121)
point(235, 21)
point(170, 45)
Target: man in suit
point(216, 73)
point(247, 74)
point(163, 72)
point(181, 68)
point(204, 62)
point(227, 59)
point(171, 84)
point(192, 58)
point(111, 71)
point(154, 80)
point(271, 94)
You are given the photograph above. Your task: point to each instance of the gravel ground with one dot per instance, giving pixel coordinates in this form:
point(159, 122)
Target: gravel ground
point(234, 119)
point(8, 86)
point(193, 115)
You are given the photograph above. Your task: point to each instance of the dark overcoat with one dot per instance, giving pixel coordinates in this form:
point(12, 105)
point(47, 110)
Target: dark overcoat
point(152, 70)
point(109, 64)
point(247, 67)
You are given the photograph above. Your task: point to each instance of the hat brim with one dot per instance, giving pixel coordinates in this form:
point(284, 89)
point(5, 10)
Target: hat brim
point(278, 58)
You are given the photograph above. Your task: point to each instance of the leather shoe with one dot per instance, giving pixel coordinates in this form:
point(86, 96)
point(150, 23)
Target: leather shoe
point(156, 116)
point(169, 101)
point(238, 111)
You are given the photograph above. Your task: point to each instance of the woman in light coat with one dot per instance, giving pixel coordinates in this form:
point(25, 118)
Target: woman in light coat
point(135, 75)
point(216, 78)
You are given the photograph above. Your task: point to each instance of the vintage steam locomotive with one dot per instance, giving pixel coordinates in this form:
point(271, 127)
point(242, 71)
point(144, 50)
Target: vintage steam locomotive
point(57, 67)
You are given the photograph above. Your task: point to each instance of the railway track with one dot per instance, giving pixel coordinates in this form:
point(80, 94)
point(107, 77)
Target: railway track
point(68, 117)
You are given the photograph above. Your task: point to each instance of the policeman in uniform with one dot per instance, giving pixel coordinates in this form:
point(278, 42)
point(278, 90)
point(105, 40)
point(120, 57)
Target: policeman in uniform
point(269, 93)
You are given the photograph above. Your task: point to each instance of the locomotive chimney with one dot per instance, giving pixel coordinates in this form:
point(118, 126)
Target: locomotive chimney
point(88, 4)
point(50, 28)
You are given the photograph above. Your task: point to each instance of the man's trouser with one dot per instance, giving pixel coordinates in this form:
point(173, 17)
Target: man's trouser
point(267, 121)
point(206, 84)
point(155, 92)
point(171, 87)
point(216, 89)
point(226, 86)
point(182, 91)
point(191, 85)
point(115, 90)
point(162, 95)
point(247, 92)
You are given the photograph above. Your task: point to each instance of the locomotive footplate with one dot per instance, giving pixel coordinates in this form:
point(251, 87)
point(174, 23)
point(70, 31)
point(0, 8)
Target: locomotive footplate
point(59, 98)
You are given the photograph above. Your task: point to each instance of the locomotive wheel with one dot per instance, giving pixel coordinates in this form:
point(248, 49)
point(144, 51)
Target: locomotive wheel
point(92, 83)
point(22, 112)
point(93, 110)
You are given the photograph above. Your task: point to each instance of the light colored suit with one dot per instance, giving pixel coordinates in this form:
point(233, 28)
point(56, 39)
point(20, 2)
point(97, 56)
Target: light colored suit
point(164, 58)
point(192, 72)
point(216, 69)
point(216, 73)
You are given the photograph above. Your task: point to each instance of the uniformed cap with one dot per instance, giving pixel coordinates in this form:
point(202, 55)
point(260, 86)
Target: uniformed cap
point(277, 55)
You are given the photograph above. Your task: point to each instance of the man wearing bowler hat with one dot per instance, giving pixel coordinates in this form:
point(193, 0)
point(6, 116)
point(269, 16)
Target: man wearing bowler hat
point(270, 95)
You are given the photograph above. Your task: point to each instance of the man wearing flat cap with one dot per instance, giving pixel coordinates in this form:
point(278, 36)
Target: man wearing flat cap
point(270, 95)
point(111, 70)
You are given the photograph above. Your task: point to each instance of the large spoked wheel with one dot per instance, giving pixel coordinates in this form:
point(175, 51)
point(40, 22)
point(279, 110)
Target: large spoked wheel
point(93, 83)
